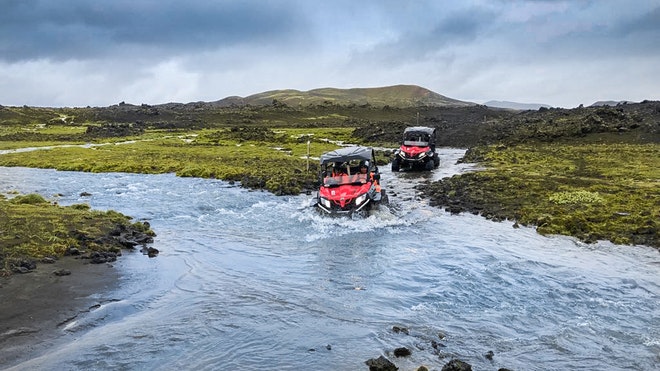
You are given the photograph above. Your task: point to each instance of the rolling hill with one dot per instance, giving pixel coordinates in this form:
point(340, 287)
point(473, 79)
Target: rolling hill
point(393, 96)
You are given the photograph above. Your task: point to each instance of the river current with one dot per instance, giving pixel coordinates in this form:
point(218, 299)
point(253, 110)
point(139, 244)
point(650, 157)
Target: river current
point(246, 280)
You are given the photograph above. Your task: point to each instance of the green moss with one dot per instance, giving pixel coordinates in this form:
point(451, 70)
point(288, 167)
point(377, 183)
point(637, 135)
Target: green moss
point(579, 197)
point(590, 191)
point(33, 228)
point(31, 199)
point(274, 160)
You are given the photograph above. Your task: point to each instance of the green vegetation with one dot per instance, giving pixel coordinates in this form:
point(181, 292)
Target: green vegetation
point(33, 228)
point(259, 158)
point(590, 191)
point(590, 172)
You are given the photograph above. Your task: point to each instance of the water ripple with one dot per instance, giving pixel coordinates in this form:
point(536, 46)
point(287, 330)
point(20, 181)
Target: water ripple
point(247, 280)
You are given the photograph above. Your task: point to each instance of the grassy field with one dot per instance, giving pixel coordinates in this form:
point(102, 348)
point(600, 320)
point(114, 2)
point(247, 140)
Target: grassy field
point(274, 160)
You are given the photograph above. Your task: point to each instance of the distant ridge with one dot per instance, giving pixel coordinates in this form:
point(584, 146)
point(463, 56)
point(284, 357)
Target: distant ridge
point(394, 96)
point(515, 105)
point(612, 103)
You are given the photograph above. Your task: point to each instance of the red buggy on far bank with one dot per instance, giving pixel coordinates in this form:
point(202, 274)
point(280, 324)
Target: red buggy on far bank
point(417, 151)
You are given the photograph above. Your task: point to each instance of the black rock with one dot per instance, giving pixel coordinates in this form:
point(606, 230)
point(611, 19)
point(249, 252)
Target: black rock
point(402, 352)
point(381, 364)
point(456, 365)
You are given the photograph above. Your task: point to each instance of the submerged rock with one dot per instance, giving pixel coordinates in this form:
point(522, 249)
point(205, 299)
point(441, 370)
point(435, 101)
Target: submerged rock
point(381, 364)
point(402, 352)
point(456, 365)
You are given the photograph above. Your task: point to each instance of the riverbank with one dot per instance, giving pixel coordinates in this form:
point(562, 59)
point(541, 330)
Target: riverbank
point(36, 307)
point(588, 190)
point(56, 263)
point(35, 230)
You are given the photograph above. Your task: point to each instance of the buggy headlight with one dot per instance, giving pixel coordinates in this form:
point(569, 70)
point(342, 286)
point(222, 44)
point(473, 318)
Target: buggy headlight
point(325, 202)
point(359, 200)
point(422, 155)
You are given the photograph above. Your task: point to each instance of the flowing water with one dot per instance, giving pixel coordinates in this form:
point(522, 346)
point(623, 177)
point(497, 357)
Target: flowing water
point(246, 280)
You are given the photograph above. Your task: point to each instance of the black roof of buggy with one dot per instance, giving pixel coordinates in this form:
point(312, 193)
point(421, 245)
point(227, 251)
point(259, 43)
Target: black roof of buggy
point(347, 153)
point(422, 129)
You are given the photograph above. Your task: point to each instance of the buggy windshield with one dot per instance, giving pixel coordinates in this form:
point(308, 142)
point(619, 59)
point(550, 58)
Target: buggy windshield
point(343, 179)
point(416, 139)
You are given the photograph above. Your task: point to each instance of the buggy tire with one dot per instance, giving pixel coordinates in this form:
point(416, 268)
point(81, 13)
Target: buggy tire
point(384, 199)
point(430, 165)
point(395, 165)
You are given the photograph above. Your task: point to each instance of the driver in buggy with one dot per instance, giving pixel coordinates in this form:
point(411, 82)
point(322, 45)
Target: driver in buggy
point(364, 168)
point(338, 169)
point(364, 172)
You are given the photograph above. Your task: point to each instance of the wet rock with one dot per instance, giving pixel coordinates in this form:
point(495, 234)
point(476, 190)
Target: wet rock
point(129, 244)
point(399, 329)
point(151, 252)
point(100, 257)
point(402, 352)
point(29, 264)
point(20, 270)
point(72, 251)
point(489, 355)
point(437, 345)
point(49, 260)
point(381, 364)
point(23, 266)
point(131, 238)
point(62, 272)
point(85, 194)
point(456, 365)
point(117, 230)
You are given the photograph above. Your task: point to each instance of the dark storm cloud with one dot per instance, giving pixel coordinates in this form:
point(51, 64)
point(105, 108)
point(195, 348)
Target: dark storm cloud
point(588, 29)
point(449, 28)
point(80, 29)
point(99, 52)
point(641, 33)
point(647, 22)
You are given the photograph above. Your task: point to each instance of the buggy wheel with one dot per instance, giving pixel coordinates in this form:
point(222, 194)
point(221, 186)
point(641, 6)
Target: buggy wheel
point(430, 164)
point(395, 165)
point(384, 199)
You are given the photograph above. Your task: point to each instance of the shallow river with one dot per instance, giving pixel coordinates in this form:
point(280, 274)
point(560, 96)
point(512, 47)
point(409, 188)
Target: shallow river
point(248, 281)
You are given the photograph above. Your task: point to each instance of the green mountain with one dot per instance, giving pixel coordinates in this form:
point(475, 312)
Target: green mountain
point(393, 96)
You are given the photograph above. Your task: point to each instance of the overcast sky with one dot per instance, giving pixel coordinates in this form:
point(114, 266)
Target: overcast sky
point(563, 53)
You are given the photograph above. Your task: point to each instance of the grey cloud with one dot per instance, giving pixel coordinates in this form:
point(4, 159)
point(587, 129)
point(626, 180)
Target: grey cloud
point(640, 35)
point(590, 32)
point(79, 29)
point(447, 31)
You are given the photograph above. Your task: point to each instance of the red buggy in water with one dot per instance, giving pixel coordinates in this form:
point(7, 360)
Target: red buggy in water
point(350, 181)
point(417, 151)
